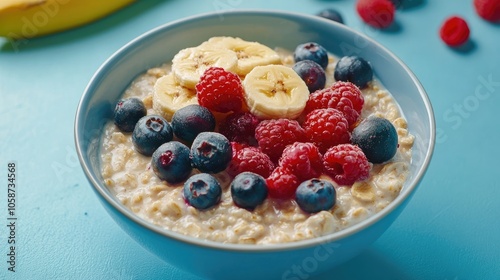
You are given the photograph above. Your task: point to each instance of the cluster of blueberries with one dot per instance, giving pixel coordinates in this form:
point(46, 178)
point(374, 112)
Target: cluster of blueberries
point(172, 161)
point(311, 61)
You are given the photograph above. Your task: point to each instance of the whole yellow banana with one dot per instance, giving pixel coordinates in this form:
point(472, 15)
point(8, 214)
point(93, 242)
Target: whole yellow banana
point(23, 19)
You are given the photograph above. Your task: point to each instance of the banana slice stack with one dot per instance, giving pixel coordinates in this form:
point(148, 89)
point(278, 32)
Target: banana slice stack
point(271, 89)
point(249, 54)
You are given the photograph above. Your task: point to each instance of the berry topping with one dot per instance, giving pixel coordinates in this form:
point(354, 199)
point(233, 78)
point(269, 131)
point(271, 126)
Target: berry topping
point(454, 31)
point(202, 191)
point(311, 73)
point(302, 159)
point(237, 146)
point(191, 120)
point(343, 96)
point(346, 164)
point(220, 90)
point(326, 128)
point(274, 135)
point(210, 152)
point(377, 13)
point(321, 99)
point(488, 9)
point(282, 183)
point(150, 132)
point(352, 92)
point(250, 159)
point(353, 69)
point(331, 14)
point(171, 163)
point(128, 112)
point(248, 190)
point(311, 51)
point(240, 127)
point(377, 137)
point(315, 195)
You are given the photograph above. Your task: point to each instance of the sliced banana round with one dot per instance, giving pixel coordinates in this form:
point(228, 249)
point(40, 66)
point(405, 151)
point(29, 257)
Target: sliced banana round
point(275, 91)
point(169, 96)
point(250, 54)
point(188, 65)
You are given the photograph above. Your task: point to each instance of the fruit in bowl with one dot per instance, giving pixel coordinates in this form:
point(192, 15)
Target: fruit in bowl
point(169, 217)
point(323, 133)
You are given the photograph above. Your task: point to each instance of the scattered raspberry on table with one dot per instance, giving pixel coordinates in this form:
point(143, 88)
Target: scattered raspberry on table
point(454, 31)
point(488, 9)
point(377, 13)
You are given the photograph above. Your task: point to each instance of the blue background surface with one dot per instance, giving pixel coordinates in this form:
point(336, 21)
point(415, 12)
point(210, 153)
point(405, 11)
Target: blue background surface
point(450, 229)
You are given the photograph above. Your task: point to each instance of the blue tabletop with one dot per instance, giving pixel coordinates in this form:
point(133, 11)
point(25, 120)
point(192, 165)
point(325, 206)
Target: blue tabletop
point(450, 229)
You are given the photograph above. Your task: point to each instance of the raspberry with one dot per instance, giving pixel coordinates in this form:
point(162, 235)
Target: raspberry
point(240, 127)
point(377, 13)
point(343, 96)
point(282, 183)
point(326, 128)
point(454, 31)
point(302, 159)
point(352, 92)
point(346, 164)
point(319, 100)
point(237, 146)
point(250, 159)
point(274, 135)
point(488, 9)
point(220, 90)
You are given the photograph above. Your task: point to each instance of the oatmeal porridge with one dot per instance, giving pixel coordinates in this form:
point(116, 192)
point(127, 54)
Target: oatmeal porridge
point(130, 176)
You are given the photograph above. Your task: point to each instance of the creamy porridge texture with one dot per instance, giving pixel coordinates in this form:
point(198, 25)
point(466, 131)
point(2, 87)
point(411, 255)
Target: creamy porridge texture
point(130, 176)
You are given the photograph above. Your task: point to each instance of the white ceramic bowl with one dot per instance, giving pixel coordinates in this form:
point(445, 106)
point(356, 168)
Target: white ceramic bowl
point(272, 28)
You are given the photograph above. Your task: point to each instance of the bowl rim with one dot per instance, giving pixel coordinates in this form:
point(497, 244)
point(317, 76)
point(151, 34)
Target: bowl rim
point(99, 187)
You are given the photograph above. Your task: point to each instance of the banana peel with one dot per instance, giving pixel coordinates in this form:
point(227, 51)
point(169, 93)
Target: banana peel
point(24, 19)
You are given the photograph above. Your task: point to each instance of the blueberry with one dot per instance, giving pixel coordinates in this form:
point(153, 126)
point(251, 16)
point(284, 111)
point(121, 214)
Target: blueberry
point(311, 51)
point(189, 121)
point(128, 112)
point(311, 73)
point(150, 132)
point(171, 163)
point(211, 152)
point(248, 190)
point(315, 195)
point(331, 14)
point(377, 137)
point(353, 69)
point(202, 191)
